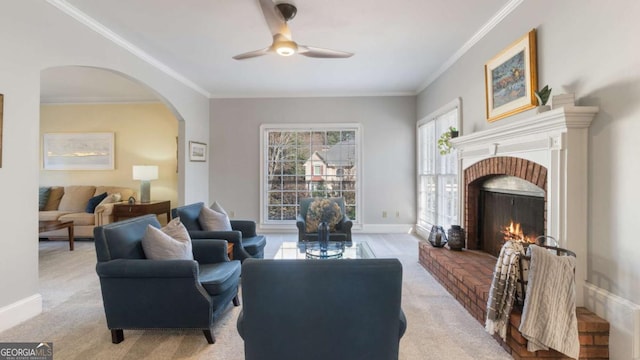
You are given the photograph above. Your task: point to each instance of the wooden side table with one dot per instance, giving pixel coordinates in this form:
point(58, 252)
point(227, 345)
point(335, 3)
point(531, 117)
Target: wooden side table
point(125, 210)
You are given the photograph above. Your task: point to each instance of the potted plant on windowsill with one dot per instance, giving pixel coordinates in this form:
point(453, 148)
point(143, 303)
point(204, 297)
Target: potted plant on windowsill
point(444, 144)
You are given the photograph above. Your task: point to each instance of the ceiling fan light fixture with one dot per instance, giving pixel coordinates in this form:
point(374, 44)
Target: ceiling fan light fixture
point(286, 48)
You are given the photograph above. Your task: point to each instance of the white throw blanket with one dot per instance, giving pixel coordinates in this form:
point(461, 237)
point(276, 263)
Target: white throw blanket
point(549, 313)
point(503, 288)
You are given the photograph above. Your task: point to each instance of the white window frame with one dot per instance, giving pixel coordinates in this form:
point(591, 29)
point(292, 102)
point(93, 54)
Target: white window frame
point(264, 141)
point(423, 228)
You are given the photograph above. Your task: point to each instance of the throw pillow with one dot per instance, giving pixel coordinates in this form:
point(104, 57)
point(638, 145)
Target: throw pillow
point(172, 242)
point(43, 196)
point(93, 202)
point(110, 199)
point(211, 220)
point(322, 210)
point(217, 207)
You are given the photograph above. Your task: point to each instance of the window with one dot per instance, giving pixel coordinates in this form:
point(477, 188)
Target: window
point(438, 194)
point(300, 161)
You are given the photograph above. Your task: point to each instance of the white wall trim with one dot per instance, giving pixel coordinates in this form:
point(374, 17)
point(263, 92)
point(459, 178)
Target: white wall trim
point(484, 30)
point(385, 229)
point(19, 311)
point(623, 317)
point(94, 25)
point(264, 128)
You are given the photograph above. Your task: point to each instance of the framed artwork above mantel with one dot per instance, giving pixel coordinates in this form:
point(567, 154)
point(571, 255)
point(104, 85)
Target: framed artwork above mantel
point(511, 77)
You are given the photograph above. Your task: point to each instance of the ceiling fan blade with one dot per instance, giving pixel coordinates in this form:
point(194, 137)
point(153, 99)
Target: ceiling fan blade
point(273, 17)
point(316, 52)
point(252, 54)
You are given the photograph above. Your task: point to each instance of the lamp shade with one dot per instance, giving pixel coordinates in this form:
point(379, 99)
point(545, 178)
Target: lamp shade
point(145, 172)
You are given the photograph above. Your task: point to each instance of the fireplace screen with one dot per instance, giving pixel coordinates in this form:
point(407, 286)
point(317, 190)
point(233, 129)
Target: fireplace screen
point(509, 212)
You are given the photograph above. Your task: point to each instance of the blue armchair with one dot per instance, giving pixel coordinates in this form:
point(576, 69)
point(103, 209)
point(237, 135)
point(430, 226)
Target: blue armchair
point(246, 243)
point(321, 309)
point(343, 227)
point(139, 293)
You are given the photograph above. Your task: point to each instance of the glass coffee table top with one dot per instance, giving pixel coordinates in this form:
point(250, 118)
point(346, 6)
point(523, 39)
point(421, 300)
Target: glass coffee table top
point(335, 250)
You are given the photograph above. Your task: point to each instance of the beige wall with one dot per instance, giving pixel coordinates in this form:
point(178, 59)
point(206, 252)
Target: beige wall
point(145, 134)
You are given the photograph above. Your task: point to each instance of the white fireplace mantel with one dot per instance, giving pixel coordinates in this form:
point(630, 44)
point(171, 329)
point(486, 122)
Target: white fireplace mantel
point(557, 140)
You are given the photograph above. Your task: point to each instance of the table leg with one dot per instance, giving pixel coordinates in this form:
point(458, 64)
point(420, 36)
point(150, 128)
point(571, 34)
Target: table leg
point(70, 237)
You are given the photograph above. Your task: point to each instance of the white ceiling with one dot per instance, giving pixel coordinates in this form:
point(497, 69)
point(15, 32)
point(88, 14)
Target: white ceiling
point(399, 46)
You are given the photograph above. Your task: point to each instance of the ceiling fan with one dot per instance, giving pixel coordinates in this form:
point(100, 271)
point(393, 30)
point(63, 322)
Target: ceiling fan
point(277, 16)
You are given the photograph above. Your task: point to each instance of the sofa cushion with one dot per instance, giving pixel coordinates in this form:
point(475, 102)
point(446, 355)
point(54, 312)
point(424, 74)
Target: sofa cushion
point(323, 210)
point(50, 215)
point(55, 195)
point(75, 198)
point(43, 196)
point(219, 277)
point(172, 242)
point(124, 192)
point(93, 202)
point(79, 218)
point(211, 220)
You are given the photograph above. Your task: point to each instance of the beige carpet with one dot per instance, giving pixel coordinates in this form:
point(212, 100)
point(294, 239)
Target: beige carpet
point(73, 317)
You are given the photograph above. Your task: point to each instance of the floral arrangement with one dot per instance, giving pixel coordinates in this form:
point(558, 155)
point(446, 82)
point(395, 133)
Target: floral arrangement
point(323, 210)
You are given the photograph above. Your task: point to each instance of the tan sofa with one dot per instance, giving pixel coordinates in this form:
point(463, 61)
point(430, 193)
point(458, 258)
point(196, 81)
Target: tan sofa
point(70, 203)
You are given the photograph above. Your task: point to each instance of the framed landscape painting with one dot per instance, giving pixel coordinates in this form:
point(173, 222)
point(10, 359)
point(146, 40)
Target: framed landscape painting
point(197, 151)
point(78, 151)
point(511, 78)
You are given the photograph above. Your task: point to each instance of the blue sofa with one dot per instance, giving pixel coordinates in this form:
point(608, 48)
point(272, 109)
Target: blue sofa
point(139, 293)
point(246, 243)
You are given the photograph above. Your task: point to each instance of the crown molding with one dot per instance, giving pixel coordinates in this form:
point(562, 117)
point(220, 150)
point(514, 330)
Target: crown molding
point(94, 25)
point(479, 35)
point(96, 100)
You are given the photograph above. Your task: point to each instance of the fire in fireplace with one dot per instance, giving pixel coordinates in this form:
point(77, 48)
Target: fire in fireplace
point(509, 208)
point(514, 232)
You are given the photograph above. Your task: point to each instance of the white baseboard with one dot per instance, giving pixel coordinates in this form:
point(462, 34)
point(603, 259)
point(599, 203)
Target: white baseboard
point(385, 229)
point(623, 317)
point(19, 311)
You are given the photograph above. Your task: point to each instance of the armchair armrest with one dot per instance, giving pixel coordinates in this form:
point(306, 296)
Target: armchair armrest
point(302, 227)
point(235, 237)
point(104, 214)
point(345, 224)
point(206, 251)
point(145, 268)
point(246, 227)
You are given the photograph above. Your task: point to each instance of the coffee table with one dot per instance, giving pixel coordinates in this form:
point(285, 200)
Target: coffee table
point(50, 225)
point(309, 250)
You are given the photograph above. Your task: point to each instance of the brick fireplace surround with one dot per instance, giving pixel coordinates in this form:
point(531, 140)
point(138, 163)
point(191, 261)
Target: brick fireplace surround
point(550, 151)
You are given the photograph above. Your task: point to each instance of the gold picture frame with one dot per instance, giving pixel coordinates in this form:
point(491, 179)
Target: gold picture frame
point(511, 78)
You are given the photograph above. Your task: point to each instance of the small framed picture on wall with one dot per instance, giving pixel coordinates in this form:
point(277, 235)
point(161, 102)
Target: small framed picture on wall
point(197, 151)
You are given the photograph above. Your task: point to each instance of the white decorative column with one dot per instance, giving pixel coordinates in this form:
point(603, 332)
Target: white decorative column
point(557, 140)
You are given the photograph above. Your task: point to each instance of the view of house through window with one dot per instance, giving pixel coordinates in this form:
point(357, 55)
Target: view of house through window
point(300, 163)
point(437, 173)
